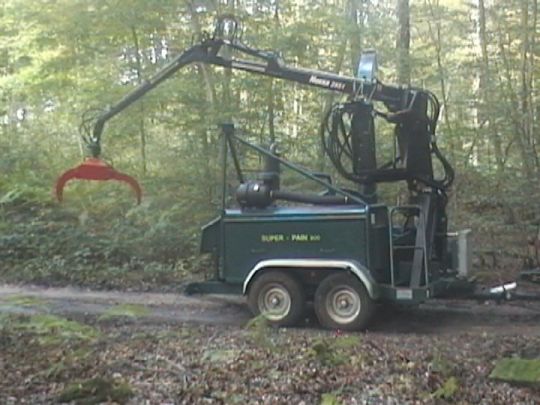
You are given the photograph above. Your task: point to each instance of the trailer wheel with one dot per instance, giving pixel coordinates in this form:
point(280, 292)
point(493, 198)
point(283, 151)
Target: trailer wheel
point(342, 302)
point(278, 297)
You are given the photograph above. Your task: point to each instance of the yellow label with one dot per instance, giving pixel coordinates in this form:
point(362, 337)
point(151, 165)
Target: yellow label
point(293, 237)
point(273, 238)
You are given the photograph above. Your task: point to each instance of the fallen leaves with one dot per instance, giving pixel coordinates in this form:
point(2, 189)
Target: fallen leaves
point(205, 364)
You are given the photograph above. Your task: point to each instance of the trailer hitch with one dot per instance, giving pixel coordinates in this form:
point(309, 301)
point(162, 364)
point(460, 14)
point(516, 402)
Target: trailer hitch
point(96, 169)
point(531, 275)
point(506, 292)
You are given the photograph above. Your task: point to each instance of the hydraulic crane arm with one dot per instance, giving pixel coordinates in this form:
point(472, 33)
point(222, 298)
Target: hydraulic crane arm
point(208, 52)
point(351, 148)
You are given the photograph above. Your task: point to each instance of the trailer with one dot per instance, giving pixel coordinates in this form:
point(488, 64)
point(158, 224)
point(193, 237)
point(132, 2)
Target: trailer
point(342, 250)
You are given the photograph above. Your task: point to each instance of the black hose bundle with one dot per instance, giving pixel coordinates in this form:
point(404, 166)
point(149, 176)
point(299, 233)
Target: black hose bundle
point(449, 174)
point(337, 140)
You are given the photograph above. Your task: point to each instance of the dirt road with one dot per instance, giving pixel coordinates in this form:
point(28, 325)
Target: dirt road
point(196, 350)
point(435, 317)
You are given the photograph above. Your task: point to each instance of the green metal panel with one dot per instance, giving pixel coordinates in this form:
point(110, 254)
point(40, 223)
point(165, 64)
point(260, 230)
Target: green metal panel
point(292, 233)
point(379, 244)
point(210, 236)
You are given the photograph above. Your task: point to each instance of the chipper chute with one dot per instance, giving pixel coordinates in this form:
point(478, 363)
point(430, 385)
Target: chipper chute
point(97, 170)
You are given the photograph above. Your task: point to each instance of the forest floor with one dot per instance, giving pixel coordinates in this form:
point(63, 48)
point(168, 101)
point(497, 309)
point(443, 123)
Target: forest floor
point(68, 344)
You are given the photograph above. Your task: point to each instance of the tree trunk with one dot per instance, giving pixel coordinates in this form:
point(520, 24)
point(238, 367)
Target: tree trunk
point(533, 105)
point(271, 92)
point(435, 34)
point(226, 96)
point(486, 116)
point(525, 84)
point(527, 70)
point(351, 10)
point(211, 176)
point(403, 42)
point(516, 97)
point(355, 11)
point(142, 130)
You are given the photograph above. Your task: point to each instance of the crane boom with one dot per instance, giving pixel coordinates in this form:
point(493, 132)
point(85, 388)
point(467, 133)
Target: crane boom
point(208, 52)
point(348, 132)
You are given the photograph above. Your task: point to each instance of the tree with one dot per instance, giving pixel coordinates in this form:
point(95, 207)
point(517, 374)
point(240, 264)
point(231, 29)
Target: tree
point(403, 42)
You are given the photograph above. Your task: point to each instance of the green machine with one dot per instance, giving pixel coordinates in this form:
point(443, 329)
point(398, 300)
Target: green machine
point(334, 249)
point(341, 249)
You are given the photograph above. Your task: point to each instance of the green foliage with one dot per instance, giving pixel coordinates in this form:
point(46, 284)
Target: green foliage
point(132, 311)
point(445, 371)
point(59, 60)
point(259, 331)
point(96, 391)
point(442, 366)
point(69, 360)
point(24, 301)
point(48, 329)
point(330, 399)
point(447, 390)
point(55, 246)
point(220, 355)
point(517, 371)
point(332, 351)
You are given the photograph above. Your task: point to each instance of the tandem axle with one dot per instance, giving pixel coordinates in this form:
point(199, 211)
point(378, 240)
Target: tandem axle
point(342, 258)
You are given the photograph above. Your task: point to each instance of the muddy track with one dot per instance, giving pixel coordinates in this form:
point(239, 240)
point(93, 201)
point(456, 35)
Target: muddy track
point(435, 317)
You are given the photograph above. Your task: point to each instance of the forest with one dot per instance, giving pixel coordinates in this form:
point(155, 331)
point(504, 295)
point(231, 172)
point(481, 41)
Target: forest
point(63, 62)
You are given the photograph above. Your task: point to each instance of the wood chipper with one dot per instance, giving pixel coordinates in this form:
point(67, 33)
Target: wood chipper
point(341, 249)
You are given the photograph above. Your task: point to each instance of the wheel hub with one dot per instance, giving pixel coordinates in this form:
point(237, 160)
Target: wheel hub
point(275, 302)
point(343, 304)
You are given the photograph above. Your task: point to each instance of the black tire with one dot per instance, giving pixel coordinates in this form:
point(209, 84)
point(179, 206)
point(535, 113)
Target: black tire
point(283, 292)
point(355, 309)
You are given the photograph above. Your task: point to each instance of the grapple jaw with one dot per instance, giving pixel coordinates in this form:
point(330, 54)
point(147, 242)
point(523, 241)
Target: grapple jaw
point(96, 169)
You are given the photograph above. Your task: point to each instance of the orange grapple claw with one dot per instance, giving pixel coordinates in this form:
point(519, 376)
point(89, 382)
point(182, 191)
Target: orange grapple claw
point(96, 169)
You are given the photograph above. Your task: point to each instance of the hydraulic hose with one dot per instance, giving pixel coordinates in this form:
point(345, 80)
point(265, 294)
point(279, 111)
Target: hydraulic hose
point(336, 139)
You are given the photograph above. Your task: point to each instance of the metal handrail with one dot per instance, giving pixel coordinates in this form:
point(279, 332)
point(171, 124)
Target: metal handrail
point(391, 211)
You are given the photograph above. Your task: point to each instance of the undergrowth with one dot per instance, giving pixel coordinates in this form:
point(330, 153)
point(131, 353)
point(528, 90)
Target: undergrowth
point(102, 240)
point(48, 329)
point(57, 245)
